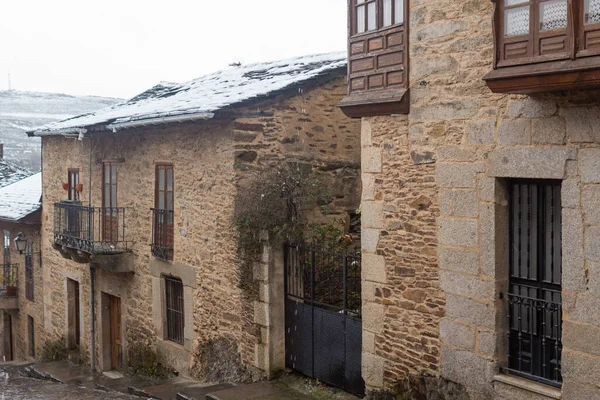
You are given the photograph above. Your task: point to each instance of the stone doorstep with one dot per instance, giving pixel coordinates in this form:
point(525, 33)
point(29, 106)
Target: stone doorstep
point(530, 386)
point(245, 392)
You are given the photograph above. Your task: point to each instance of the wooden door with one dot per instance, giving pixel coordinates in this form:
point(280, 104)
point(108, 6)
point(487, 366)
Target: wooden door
point(74, 327)
point(115, 331)
point(8, 339)
point(110, 221)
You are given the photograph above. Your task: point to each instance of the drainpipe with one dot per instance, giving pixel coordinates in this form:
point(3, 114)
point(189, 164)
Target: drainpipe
point(92, 279)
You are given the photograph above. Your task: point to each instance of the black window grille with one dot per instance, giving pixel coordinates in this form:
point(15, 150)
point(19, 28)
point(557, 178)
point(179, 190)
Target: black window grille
point(29, 272)
point(31, 335)
point(534, 300)
point(174, 309)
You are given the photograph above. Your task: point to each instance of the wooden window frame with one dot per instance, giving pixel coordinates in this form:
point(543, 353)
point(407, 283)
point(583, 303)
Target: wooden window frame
point(164, 237)
point(31, 336)
point(111, 184)
point(174, 310)
point(379, 22)
point(73, 180)
point(110, 212)
point(29, 273)
point(377, 64)
point(533, 38)
point(573, 68)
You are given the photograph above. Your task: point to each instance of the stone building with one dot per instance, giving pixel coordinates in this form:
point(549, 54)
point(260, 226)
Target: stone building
point(138, 227)
point(481, 173)
point(21, 287)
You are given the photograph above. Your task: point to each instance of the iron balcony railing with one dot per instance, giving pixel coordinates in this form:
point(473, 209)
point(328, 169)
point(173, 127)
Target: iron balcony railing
point(162, 234)
point(9, 280)
point(534, 339)
point(92, 230)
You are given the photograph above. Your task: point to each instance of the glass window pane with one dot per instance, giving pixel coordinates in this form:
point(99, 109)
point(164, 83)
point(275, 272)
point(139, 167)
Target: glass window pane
point(516, 21)
point(399, 12)
point(514, 2)
point(553, 15)
point(360, 19)
point(113, 197)
point(170, 179)
point(169, 201)
point(106, 173)
point(161, 179)
point(592, 11)
point(161, 201)
point(387, 12)
point(372, 15)
point(106, 195)
point(114, 174)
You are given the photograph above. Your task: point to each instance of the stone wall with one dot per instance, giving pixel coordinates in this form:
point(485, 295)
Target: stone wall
point(456, 149)
point(225, 337)
point(27, 308)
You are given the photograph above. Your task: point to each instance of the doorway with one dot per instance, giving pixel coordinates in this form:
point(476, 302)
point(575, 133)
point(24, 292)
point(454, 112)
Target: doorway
point(112, 350)
point(73, 314)
point(8, 337)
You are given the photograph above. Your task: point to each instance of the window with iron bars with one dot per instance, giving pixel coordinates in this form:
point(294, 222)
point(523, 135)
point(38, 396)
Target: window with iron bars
point(29, 295)
point(174, 309)
point(534, 299)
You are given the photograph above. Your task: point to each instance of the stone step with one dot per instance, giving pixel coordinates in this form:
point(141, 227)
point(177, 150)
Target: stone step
point(251, 391)
point(165, 390)
point(199, 392)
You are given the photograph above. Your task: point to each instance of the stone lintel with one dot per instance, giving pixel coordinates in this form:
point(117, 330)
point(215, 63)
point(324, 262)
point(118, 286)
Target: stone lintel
point(186, 273)
point(530, 162)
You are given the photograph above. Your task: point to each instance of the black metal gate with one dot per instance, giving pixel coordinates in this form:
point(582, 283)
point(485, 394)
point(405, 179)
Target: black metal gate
point(323, 327)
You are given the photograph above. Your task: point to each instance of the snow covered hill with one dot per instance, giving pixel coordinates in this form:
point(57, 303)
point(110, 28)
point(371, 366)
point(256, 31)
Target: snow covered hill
point(20, 111)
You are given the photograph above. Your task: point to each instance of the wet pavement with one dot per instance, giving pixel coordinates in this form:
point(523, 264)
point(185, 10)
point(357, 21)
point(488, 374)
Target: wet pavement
point(63, 380)
point(17, 387)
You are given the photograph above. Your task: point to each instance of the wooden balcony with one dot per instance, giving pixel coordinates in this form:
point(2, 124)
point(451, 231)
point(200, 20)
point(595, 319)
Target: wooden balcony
point(93, 235)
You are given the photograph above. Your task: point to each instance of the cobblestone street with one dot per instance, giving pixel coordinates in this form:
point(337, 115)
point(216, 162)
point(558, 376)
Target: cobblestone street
point(20, 388)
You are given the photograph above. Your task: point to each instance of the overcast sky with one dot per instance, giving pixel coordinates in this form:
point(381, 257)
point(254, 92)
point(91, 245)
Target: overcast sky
point(119, 48)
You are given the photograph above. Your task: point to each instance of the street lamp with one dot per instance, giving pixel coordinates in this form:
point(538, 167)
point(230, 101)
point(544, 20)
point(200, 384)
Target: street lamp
point(20, 243)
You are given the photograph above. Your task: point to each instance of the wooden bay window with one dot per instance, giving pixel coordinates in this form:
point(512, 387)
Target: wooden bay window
point(377, 58)
point(545, 45)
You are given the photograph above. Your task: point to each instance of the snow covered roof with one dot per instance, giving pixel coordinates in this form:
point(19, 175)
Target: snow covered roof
point(11, 172)
point(21, 198)
point(201, 97)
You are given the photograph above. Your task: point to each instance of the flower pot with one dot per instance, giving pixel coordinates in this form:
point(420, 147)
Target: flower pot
point(79, 187)
point(11, 291)
point(65, 186)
